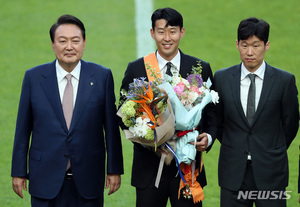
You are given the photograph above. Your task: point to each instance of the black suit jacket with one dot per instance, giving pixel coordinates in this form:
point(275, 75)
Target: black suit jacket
point(145, 161)
point(274, 127)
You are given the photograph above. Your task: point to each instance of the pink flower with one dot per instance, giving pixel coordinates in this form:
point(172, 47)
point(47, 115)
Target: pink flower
point(195, 89)
point(181, 84)
point(179, 88)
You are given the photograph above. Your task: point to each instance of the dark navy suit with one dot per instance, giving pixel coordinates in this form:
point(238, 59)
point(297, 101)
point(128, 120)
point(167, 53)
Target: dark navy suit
point(41, 118)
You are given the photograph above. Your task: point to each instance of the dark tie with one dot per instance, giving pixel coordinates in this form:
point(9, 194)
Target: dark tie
point(251, 99)
point(67, 102)
point(168, 72)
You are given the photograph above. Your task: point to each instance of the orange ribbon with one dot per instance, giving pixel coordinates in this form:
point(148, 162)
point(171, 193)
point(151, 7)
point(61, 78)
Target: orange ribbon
point(151, 60)
point(191, 181)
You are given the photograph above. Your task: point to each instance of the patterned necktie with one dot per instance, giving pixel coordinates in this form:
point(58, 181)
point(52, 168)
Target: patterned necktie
point(168, 72)
point(251, 99)
point(67, 102)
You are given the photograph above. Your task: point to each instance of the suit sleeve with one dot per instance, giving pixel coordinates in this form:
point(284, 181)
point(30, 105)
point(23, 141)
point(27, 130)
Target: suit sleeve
point(112, 133)
point(209, 122)
point(134, 69)
point(219, 106)
point(23, 132)
point(128, 78)
point(290, 111)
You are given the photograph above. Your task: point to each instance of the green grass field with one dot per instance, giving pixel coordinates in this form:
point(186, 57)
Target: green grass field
point(210, 35)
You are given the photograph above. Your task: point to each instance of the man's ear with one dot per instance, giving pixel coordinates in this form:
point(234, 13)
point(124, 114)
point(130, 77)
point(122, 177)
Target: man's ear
point(84, 42)
point(152, 33)
point(267, 45)
point(182, 32)
point(52, 43)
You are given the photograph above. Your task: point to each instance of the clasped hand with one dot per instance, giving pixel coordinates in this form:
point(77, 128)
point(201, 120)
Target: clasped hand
point(202, 142)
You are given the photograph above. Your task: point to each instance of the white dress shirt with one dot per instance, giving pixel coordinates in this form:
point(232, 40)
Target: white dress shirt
point(175, 64)
point(62, 81)
point(245, 84)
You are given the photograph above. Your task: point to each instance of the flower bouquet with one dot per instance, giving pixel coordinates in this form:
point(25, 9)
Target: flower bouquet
point(148, 114)
point(188, 98)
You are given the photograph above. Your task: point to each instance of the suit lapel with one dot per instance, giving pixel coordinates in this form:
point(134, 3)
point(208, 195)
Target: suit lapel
point(267, 86)
point(85, 88)
point(185, 66)
point(235, 83)
point(50, 87)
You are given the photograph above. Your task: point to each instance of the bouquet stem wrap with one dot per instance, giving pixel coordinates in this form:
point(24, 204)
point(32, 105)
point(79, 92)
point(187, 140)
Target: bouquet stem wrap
point(187, 121)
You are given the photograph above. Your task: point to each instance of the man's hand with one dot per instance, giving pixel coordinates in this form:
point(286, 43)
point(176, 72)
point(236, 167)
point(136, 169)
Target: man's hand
point(202, 142)
point(18, 183)
point(113, 182)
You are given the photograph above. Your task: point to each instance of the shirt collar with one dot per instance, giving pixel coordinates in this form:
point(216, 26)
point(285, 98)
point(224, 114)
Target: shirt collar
point(61, 73)
point(162, 62)
point(260, 72)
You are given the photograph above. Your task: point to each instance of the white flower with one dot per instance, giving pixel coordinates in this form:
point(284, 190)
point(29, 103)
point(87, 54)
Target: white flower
point(176, 80)
point(140, 127)
point(215, 96)
point(192, 96)
point(202, 89)
point(205, 85)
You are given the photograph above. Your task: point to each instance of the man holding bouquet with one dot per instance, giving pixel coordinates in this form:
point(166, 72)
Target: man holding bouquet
point(167, 31)
point(258, 117)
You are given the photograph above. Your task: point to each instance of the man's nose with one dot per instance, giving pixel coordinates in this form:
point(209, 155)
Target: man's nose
point(250, 51)
point(167, 36)
point(69, 45)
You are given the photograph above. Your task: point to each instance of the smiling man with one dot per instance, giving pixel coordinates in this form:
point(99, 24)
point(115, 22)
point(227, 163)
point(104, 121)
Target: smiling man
point(67, 126)
point(167, 31)
point(258, 115)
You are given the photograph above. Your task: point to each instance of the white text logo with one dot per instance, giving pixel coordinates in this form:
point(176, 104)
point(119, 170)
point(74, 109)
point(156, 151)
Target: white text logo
point(264, 195)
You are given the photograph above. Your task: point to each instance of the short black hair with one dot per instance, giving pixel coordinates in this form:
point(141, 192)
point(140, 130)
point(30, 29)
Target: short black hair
point(253, 27)
point(66, 19)
point(172, 16)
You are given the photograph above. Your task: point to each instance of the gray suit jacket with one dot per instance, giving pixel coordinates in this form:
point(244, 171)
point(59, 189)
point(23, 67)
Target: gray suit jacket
point(274, 127)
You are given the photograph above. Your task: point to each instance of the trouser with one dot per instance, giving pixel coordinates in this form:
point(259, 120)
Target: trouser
point(168, 189)
point(249, 195)
point(67, 197)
